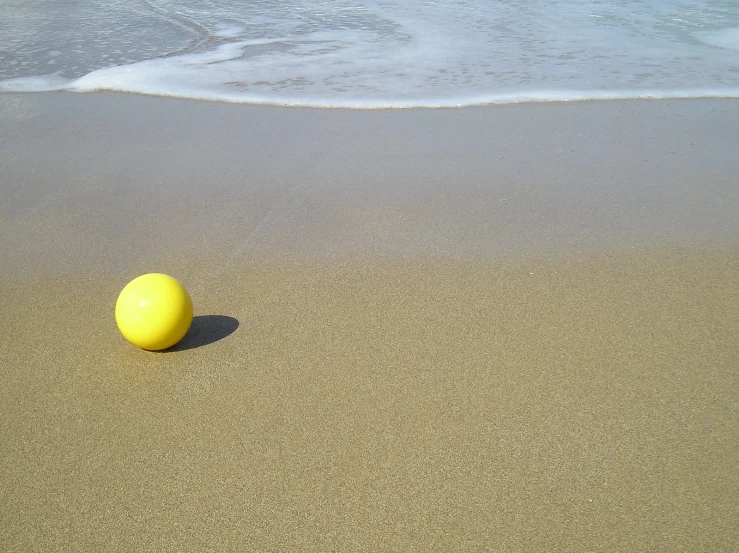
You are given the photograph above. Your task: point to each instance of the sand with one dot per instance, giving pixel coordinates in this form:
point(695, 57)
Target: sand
point(487, 329)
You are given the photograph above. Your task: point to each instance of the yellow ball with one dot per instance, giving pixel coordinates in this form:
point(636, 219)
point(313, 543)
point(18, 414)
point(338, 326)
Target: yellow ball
point(153, 311)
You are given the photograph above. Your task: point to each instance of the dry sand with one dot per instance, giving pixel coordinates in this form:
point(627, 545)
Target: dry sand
point(489, 329)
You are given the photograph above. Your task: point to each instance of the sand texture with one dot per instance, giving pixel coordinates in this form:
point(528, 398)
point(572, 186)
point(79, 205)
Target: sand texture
point(505, 329)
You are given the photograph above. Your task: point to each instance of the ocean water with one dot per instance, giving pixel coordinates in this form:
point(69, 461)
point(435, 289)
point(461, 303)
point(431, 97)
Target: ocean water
point(374, 53)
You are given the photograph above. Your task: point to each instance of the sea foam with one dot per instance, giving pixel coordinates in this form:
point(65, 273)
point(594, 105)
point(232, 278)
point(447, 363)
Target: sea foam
point(393, 53)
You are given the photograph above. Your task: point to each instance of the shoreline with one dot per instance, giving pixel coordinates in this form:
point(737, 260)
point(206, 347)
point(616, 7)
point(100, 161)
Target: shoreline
point(521, 97)
point(475, 182)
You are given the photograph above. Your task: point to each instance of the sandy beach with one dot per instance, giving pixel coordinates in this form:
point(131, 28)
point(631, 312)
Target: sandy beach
point(494, 329)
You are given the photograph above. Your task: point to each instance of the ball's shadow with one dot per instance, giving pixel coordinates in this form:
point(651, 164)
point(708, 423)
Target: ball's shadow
point(204, 330)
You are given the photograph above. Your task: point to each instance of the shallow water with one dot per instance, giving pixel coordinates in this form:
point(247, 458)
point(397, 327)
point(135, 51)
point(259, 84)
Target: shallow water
point(374, 53)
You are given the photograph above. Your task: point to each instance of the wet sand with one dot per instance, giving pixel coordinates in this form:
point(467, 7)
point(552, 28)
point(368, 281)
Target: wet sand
point(489, 329)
